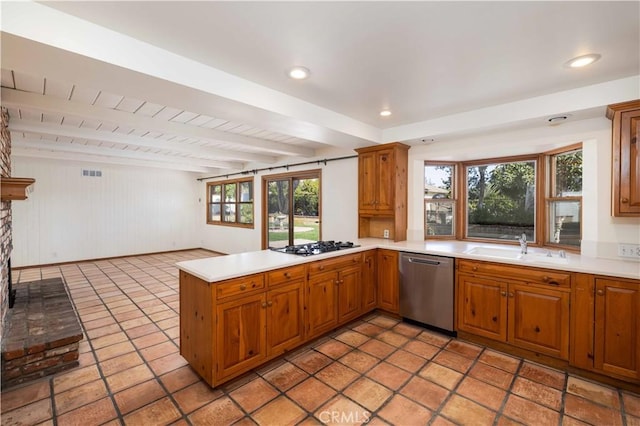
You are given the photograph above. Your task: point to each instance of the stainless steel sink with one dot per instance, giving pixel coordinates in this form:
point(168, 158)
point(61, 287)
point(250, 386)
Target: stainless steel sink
point(515, 254)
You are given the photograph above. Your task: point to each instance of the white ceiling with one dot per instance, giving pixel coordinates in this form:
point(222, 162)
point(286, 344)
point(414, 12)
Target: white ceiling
point(202, 86)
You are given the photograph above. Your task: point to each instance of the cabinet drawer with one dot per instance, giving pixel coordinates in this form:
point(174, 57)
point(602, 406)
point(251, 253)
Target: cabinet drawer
point(240, 285)
point(528, 274)
point(285, 275)
point(335, 263)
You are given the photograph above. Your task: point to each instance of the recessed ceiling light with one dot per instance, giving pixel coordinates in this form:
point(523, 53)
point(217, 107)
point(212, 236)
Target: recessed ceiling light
point(582, 61)
point(299, 73)
point(385, 113)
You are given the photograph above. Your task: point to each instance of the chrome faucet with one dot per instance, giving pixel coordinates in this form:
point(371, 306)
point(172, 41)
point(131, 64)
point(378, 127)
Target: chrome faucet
point(562, 254)
point(523, 243)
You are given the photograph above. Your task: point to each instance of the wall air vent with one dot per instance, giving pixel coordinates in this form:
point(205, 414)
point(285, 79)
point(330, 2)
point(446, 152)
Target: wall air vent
point(91, 173)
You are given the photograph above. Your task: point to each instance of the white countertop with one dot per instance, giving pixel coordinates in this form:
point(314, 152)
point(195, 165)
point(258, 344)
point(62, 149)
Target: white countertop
point(235, 265)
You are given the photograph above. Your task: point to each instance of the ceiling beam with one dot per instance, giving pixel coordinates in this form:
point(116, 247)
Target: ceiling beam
point(29, 143)
point(98, 136)
point(19, 99)
point(90, 158)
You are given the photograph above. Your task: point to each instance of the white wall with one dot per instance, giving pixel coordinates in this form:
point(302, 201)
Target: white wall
point(339, 204)
point(128, 210)
point(600, 231)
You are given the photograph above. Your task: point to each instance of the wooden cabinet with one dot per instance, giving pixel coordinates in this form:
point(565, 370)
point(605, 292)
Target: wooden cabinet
point(626, 158)
point(349, 294)
point(531, 312)
point(322, 314)
point(285, 319)
point(382, 191)
point(617, 326)
point(369, 281)
point(388, 280)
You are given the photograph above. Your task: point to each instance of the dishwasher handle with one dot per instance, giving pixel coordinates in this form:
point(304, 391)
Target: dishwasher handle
point(423, 261)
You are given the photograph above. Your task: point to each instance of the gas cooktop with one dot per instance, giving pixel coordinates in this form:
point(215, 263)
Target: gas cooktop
point(318, 247)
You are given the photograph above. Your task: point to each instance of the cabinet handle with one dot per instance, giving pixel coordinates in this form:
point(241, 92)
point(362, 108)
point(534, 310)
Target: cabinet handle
point(287, 275)
point(545, 278)
point(474, 269)
point(624, 200)
point(503, 293)
point(510, 294)
point(553, 283)
point(600, 292)
point(355, 260)
point(243, 286)
point(321, 267)
point(264, 304)
point(269, 303)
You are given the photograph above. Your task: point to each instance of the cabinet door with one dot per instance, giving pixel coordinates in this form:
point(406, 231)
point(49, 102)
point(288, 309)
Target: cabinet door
point(369, 296)
point(386, 181)
point(630, 163)
point(241, 334)
point(285, 327)
point(349, 293)
point(539, 319)
point(482, 306)
point(388, 288)
point(367, 181)
point(322, 312)
point(617, 327)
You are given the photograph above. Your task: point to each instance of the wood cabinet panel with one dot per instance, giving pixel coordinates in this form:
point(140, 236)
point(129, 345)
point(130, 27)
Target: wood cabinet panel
point(388, 280)
point(240, 331)
point(531, 275)
point(369, 281)
point(335, 264)
point(240, 286)
point(626, 158)
point(617, 325)
point(539, 319)
point(349, 294)
point(482, 306)
point(367, 181)
point(285, 275)
point(322, 312)
point(285, 319)
point(582, 321)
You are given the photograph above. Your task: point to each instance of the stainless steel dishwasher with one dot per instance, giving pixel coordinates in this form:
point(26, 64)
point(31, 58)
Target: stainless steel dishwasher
point(426, 290)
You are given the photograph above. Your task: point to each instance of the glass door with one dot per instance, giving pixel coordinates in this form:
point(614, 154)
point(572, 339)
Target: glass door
point(292, 209)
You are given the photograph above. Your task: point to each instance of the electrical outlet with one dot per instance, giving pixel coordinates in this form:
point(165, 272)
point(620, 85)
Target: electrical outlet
point(629, 250)
point(385, 233)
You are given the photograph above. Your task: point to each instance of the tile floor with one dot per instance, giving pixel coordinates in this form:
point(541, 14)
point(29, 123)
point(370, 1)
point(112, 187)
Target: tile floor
point(376, 370)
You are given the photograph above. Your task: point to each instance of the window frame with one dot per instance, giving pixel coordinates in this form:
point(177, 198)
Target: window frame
point(237, 203)
point(453, 200)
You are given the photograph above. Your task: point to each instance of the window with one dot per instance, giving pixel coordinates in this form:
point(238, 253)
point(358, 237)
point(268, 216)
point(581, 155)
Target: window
point(439, 200)
point(230, 203)
point(564, 197)
point(501, 199)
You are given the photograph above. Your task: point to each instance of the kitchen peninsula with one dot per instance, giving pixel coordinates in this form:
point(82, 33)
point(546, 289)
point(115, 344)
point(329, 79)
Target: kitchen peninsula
point(240, 311)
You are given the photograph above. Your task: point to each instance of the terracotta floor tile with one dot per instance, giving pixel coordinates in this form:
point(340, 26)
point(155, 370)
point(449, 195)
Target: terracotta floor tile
point(114, 350)
point(433, 338)
point(377, 348)
point(463, 348)
point(195, 396)
point(499, 360)
point(359, 361)
point(441, 421)
point(491, 375)
point(594, 392)
point(402, 411)
point(254, 394)
point(453, 360)
point(158, 351)
point(394, 339)
point(333, 348)
point(73, 378)
point(179, 378)
point(103, 331)
point(570, 421)
point(337, 375)
point(407, 330)
point(122, 362)
point(311, 393)
point(369, 329)
point(109, 340)
point(376, 421)
point(150, 340)
point(129, 377)
point(30, 414)
point(631, 403)
point(138, 396)
point(99, 322)
point(528, 412)
point(142, 330)
point(465, 412)
point(421, 349)
point(537, 392)
point(389, 375)
point(632, 420)
point(425, 392)
point(342, 411)
point(311, 361)
point(406, 360)
point(368, 393)
point(352, 338)
point(92, 414)
point(162, 412)
point(279, 411)
point(482, 393)
point(441, 375)
point(590, 412)
point(79, 396)
point(167, 363)
point(285, 376)
point(24, 395)
point(546, 376)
